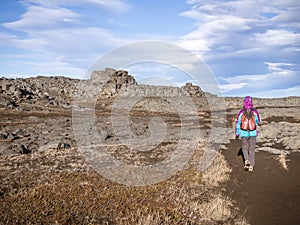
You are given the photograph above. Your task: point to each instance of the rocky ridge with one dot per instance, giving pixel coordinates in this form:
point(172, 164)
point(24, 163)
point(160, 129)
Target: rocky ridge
point(59, 91)
point(36, 113)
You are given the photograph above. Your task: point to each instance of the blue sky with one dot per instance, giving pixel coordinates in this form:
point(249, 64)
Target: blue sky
point(252, 47)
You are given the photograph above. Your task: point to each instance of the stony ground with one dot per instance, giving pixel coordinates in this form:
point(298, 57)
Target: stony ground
point(46, 178)
point(36, 176)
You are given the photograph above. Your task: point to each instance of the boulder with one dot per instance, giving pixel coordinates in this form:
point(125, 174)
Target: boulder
point(3, 135)
point(63, 145)
point(24, 150)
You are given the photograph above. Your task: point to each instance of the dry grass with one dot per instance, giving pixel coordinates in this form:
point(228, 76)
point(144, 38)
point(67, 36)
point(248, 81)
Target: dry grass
point(149, 219)
point(218, 208)
point(241, 221)
point(56, 187)
point(283, 161)
point(218, 172)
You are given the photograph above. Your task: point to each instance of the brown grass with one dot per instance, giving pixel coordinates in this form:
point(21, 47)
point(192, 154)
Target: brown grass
point(218, 172)
point(283, 161)
point(241, 221)
point(218, 208)
point(57, 187)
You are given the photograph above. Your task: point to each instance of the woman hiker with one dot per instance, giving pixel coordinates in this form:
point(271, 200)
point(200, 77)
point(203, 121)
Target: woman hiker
point(246, 127)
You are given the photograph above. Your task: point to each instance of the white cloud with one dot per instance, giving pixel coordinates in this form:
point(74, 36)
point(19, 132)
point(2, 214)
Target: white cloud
point(67, 41)
point(230, 87)
point(112, 5)
point(277, 38)
point(210, 10)
point(198, 45)
point(274, 76)
point(154, 72)
point(279, 67)
point(256, 42)
point(7, 39)
point(291, 16)
point(29, 64)
point(279, 93)
point(243, 24)
point(59, 35)
point(37, 18)
point(277, 80)
point(64, 51)
point(218, 34)
point(116, 5)
point(285, 3)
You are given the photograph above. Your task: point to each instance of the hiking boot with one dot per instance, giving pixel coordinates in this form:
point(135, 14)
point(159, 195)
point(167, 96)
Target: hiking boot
point(250, 169)
point(247, 165)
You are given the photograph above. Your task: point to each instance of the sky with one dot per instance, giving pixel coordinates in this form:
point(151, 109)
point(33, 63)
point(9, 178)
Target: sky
point(251, 47)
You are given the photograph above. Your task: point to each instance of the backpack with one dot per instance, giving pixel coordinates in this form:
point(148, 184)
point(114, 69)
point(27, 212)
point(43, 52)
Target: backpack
point(248, 121)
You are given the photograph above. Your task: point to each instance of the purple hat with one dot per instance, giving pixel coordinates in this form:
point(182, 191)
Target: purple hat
point(248, 102)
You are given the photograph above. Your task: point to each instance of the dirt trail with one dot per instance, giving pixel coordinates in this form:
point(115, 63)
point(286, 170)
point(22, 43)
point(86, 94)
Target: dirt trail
point(270, 194)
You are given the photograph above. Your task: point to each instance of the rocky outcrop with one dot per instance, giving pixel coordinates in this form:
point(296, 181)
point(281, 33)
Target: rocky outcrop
point(109, 82)
point(236, 103)
point(45, 91)
point(41, 106)
point(60, 91)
